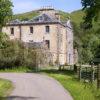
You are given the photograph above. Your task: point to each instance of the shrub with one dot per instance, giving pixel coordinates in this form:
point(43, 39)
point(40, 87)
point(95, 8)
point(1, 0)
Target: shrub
point(16, 54)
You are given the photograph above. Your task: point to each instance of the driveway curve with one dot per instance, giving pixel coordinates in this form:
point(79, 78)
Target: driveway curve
point(35, 87)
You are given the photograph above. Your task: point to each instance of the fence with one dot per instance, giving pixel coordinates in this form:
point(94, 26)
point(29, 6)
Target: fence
point(89, 73)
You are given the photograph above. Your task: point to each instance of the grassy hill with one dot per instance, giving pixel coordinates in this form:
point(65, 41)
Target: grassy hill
point(32, 14)
point(77, 18)
point(26, 16)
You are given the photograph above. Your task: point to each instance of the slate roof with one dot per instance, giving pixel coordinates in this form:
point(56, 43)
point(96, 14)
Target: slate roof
point(43, 18)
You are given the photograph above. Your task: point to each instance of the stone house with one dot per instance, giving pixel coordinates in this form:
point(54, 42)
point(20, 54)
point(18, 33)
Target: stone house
point(46, 28)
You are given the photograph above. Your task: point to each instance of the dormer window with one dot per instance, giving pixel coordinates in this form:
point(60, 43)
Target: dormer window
point(40, 18)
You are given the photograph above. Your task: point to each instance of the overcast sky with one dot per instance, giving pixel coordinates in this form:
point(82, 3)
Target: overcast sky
point(21, 6)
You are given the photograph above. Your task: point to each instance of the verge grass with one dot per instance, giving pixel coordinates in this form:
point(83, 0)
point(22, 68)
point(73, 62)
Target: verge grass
point(17, 69)
point(78, 90)
point(5, 88)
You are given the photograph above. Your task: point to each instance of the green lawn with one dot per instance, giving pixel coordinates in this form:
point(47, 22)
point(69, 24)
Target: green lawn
point(77, 89)
point(5, 88)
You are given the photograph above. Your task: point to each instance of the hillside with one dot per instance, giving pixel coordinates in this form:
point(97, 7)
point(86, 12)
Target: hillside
point(32, 14)
point(77, 18)
point(26, 16)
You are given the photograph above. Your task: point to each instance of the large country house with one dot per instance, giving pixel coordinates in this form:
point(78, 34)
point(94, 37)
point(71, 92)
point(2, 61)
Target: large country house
point(46, 28)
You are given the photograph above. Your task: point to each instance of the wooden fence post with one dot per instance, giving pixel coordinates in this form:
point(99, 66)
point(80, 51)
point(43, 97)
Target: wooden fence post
point(92, 73)
point(79, 72)
point(98, 76)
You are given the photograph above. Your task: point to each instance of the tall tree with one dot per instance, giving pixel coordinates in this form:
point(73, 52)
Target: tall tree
point(5, 12)
point(92, 8)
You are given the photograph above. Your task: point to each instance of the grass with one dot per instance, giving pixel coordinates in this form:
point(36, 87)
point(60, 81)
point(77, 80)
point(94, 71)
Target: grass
point(5, 87)
point(17, 70)
point(78, 90)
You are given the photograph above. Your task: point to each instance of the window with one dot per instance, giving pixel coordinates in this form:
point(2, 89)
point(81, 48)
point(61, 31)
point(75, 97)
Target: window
point(31, 29)
point(40, 18)
point(47, 29)
point(47, 42)
point(12, 31)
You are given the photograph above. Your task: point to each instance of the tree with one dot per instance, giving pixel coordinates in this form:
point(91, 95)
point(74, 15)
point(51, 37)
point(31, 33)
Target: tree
point(5, 12)
point(3, 40)
point(92, 8)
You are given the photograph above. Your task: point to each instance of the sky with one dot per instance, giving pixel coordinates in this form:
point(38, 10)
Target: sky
point(21, 6)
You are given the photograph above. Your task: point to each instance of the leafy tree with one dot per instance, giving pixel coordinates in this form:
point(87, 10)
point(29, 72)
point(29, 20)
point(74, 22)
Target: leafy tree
point(91, 40)
point(5, 12)
point(92, 8)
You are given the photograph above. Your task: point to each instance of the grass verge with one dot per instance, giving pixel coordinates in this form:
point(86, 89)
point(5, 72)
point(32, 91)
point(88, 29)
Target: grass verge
point(78, 90)
point(5, 88)
point(17, 70)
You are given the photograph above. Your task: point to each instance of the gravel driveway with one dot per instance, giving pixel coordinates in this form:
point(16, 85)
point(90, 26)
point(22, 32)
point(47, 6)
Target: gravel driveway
point(35, 87)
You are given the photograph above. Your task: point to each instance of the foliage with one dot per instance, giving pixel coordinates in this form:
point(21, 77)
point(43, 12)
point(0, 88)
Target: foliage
point(5, 88)
point(21, 69)
point(3, 40)
point(92, 9)
point(64, 16)
point(86, 41)
point(16, 54)
point(11, 55)
point(5, 12)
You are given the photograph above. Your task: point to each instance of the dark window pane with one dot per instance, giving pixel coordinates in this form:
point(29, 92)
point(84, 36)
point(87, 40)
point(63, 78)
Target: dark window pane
point(47, 42)
point(47, 29)
point(31, 29)
point(12, 31)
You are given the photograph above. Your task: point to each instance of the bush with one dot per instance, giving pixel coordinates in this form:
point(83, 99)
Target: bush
point(16, 54)
point(11, 55)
